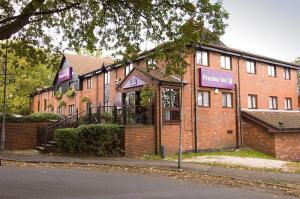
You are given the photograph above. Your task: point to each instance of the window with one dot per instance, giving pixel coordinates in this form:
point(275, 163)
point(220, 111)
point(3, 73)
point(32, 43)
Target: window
point(203, 98)
point(226, 62)
point(107, 77)
point(72, 109)
point(251, 67)
point(287, 103)
point(71, 85)
point(59, 110)
point(128, 68)
point(287, 73)
point(39, 104)
point(151, 64)
point(59, 89)
point(106, 103)
point(273, 102)
point(45, 104)
point(272, 71)
point(227, 100)
point(202, 58)
point(252, 101)
point(89, 82)
point(170, 104)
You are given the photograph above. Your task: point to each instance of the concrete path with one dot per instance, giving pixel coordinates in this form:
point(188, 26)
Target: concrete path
point(268, 177)
point(247, 162)
point(36, 183)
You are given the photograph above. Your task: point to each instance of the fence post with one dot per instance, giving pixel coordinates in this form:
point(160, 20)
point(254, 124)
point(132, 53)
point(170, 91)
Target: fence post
point(90, 114)
point(115, 114)
point(99, 113)
point(46, 134)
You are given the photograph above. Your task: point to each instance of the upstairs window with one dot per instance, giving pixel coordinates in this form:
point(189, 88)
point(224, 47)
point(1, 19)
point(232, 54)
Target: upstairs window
point(251, 68)
point(59, 89)
point(226, 62)
point(107, 77)
point(287, 73)
point(203, 98)
point(128, 68)
point(71, 85)
point(287, 103)
point(89, 82)
point(202, 58)
point(227, 100)
point(170, 104)
point(272, 71)
point(252, 101)
point(273, 103)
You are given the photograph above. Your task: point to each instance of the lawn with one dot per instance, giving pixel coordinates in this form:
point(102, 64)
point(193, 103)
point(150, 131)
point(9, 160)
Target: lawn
point(249, 153)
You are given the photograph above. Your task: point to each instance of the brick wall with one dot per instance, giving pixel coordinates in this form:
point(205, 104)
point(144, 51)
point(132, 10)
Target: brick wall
point(139, 140)
point(287, 146)
point(258, 137)
point(20, 136)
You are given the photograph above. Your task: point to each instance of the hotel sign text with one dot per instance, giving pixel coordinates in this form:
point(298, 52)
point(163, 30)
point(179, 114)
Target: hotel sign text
point(215, 78)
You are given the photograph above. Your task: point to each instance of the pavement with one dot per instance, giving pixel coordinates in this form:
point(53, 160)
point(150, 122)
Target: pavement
point(252, 175)
point(59, 183)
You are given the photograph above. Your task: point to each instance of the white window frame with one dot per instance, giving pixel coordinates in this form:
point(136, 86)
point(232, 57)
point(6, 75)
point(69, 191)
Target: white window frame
point(252, 101)
point(287, 73)
point(227, 100)
point(272, 71)
point(107, 77)
point(251, 67)
point(203, 98)
point(202, 58)
point(273, 103)
point(288, 103)
point(225, 62)
point(128, 68)
point(89, 82)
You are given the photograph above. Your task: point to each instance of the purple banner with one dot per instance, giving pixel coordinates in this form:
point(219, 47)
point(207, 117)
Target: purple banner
point(65, 74)
point(215, 78)
point(133, 82)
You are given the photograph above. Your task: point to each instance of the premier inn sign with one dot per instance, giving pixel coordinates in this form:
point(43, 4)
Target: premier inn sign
point(65, 74)
point(215, 78)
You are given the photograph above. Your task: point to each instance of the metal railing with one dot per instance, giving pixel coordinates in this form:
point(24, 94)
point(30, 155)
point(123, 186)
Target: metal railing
point(123, 115)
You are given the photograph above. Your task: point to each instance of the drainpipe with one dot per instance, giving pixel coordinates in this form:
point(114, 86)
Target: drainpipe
point(97, 88)
point(239, 129)
point(195, 105)
point(159, 118)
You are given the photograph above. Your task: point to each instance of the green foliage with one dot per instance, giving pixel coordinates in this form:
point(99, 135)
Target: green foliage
point(61, 103)
point(107, 117)
point(70, 92)
point(85, 99)
point(118, 25)
point(96, 139)
point(146, 96)
point(35, 117)
point(58, 95)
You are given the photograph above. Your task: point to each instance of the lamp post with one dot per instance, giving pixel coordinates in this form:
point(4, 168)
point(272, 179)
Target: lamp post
point(4, 100)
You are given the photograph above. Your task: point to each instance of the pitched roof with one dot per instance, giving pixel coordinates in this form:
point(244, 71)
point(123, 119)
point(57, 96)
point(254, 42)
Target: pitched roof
point(276, 120)
point(158, 75)
point(82, 64)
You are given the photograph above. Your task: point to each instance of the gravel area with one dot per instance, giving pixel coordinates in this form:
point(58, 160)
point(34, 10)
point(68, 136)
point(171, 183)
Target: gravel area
point(247, 162)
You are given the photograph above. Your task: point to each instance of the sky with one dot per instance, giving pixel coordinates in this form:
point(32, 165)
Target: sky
point(266, 27)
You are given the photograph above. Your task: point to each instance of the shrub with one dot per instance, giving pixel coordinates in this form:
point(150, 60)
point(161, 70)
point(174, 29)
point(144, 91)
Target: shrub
point(107, 117)
point(96, 139)
point(35, 117)
point(58, 95)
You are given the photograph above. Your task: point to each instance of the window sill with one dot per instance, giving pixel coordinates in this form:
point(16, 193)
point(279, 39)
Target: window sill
point(171, 122)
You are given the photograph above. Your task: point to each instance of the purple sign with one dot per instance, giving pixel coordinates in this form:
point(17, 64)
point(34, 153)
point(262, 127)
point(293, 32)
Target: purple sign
point(65, 74)
point(215, 78)
point(133, 82)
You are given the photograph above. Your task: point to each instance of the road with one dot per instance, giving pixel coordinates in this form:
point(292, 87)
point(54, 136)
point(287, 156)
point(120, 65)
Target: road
point(40, 183)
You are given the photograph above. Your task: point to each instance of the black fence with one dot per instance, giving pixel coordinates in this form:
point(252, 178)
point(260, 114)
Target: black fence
point(123, 115)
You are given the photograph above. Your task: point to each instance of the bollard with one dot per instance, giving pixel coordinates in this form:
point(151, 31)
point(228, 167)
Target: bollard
point(162, 152)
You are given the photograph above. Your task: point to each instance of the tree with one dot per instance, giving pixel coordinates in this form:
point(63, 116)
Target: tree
point(120, 25)
point(23, 79)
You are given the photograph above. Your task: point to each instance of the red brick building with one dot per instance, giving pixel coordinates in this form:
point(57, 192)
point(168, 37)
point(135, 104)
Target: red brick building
point(219, 83)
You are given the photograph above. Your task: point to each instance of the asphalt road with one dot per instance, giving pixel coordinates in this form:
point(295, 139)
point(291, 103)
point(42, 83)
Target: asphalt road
point(36, 183)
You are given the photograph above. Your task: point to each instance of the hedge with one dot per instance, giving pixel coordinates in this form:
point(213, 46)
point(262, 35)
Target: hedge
point(94, 139)
point(35, 117)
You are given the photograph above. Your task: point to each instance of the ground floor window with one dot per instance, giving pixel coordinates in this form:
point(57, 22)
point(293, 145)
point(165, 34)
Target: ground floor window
point(287, 103)
point(170, 104)
point(227, 100)
point(203, 98)
point(59, 111)
point(72, 109)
